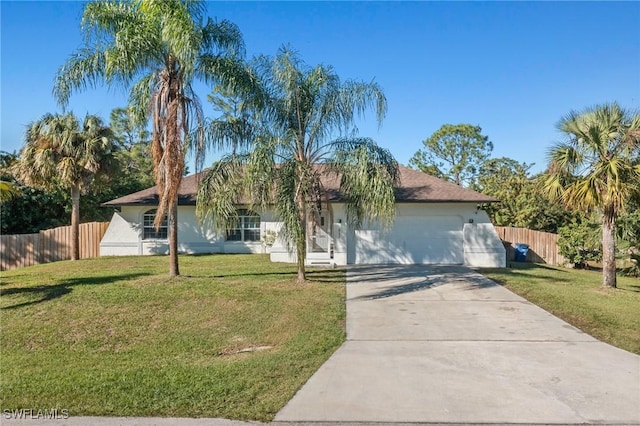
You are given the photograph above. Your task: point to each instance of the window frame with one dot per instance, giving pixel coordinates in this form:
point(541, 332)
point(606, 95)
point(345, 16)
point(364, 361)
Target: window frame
point(247, 228)
point(149, 232)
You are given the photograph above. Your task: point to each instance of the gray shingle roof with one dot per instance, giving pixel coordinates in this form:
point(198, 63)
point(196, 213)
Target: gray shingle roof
point(415, 187)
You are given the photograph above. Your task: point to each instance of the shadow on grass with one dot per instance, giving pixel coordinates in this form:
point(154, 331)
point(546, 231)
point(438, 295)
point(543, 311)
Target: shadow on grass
point(630, 287)
point(50, 292)
point(241, 274)
point(519, 269)
point(327, 276)
point(322, 276)
point(526, 266)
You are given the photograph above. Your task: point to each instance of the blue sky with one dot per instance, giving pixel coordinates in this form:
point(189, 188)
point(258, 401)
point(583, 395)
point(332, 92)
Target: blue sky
point(514, 68)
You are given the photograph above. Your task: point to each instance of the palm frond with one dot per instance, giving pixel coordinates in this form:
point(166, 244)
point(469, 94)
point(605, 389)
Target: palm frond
point(84, 69)
point(220, 191)
point(368, 177)
point(223, 35)
point(292, 232)
point(7, 191)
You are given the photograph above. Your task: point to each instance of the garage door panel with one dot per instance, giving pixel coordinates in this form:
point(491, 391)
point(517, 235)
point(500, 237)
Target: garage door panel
point(434, 240)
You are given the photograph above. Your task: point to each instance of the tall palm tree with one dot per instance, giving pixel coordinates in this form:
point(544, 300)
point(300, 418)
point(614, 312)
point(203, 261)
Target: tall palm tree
point(156, 49)
point(59, 150)
point(290, 145)
point(597, 168)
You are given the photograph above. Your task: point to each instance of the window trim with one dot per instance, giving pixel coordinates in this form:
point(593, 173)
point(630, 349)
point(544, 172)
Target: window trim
point(149, 232)
point(243, 215)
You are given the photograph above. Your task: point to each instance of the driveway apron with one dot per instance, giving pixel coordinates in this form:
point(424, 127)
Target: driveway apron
point(442, 344)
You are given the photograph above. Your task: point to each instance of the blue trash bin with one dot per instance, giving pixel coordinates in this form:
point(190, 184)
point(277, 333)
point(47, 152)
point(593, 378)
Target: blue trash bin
point(521, 252)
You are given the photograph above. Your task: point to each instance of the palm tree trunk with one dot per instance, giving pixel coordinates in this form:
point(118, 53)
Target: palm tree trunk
point(173, 161)
point(609, 248)
point(173, 241)
point(301, 243)
point(75, 221)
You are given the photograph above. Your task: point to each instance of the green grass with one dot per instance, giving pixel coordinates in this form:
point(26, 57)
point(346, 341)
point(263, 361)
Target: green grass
point(118, 337)
point(577, 296)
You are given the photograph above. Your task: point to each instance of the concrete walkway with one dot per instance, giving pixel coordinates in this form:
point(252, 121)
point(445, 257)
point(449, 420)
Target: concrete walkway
point(445, 345)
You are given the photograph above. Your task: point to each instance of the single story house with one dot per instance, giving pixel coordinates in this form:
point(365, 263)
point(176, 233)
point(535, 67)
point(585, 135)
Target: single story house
point(436, 222)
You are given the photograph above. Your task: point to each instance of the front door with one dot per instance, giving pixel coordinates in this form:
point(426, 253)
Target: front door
point(319, 241)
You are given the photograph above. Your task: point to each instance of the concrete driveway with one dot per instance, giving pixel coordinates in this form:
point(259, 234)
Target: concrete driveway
point(446, 345)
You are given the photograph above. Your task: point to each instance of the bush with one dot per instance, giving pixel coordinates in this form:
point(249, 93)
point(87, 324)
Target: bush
point(579, 243)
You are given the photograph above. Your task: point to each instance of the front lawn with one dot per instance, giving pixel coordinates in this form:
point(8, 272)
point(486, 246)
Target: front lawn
point(233, 337)
point(577, 296)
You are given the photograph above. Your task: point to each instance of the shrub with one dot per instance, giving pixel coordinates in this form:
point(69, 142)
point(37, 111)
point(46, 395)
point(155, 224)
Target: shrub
point(579, 243)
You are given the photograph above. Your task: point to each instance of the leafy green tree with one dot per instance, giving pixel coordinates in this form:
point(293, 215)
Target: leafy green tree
point(294, 116)
point(127, 131)
point(61, 151)
point(578, 242)
point(157, 49)
point(454, 152)
point(522, 201)
point(596, 169)
point(31, 209)
point(134, 165)
point(629, 235)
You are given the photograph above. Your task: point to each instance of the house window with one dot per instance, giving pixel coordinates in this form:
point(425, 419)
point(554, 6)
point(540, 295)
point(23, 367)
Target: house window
point(149, 230)
point(247, 227)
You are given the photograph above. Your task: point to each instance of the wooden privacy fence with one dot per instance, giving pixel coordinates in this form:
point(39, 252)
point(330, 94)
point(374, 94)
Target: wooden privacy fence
point(51, 245)
point(543, 246)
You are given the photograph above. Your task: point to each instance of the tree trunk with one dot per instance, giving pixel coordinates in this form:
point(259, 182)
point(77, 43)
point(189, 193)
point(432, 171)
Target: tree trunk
point(173, 240)
point(75, 221)
point(173, 157)
point(609, 249)
point(301, 243)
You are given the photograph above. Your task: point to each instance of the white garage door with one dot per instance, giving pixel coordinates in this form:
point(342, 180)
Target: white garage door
point(426, 239)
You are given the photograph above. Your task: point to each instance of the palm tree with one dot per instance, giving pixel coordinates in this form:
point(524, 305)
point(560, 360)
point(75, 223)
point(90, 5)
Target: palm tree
point(596, 168)
point(156, 49)
point(289, 146)
point(59, 150)
point(7, 191)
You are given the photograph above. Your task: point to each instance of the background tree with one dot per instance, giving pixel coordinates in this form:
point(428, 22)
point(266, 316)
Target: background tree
point(59, 150)
point(135, 166)
point(596, 169)
point(295, 115)
point(8, 188)
point(579, 242)
point(629, 234)
point(454, 152)
point(232, 128)
point(30, 209)
point(157, 49)
point(34, 209)
point(523, 203)
point(127, 131)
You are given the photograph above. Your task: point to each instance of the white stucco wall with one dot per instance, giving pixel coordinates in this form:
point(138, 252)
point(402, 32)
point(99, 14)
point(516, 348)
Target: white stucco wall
point(482, 245)
point(124, 235)
point(444, 233)
point(121, 237)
